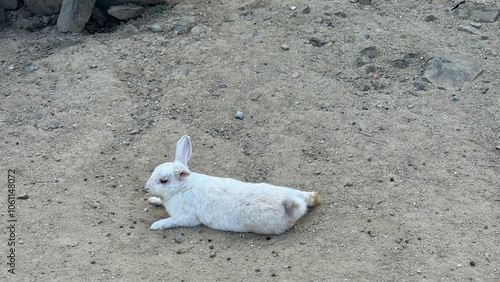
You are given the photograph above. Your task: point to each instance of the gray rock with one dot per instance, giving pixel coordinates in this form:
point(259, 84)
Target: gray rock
point(179, 238)
point(74, 15)
point(469, 29)
point(451, 73)
point(198, 29)
point(477, 12)
point(9, 4)
point(125, 12)
point(255, 94)
point(340, 14)
point(365, 2)
point(155, 28)
point(254, 4)
point(45, 7)
point(366, 56)
point(179, 25)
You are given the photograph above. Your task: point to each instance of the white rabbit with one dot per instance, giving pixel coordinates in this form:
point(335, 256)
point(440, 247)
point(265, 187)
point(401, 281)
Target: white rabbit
point(227, 204)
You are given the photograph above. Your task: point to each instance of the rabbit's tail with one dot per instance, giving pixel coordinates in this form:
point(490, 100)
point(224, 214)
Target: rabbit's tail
point(312, 199)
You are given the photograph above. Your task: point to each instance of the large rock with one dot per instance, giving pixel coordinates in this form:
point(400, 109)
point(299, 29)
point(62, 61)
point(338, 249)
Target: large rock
point(109, 3)
point(9, 4)
point(451, 73)
point(74, 15)
point(477, 12)
point(44, 7)
point(125, 12)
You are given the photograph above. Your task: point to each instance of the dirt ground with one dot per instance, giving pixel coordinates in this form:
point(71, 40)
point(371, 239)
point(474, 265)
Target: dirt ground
point(409, 178)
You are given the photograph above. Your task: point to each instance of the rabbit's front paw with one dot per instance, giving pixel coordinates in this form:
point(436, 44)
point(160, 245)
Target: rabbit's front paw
point(160, 224)
point(155, 201)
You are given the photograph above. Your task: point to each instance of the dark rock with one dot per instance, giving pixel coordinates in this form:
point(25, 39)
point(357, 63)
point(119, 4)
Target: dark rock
point(98, 16)
point(469, 29)
point(317, 42)
point(9, 4)
point(430, 18)
point(306, 10)
point(45, 7)
point(366, 56)
point(365, 2)
point(3, 15)
point(125, 12)
point(179, 26)
point(74, 15)
point(451, 73)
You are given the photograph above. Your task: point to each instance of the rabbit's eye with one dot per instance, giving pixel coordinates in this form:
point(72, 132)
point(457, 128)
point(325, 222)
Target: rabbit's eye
point(163, 180)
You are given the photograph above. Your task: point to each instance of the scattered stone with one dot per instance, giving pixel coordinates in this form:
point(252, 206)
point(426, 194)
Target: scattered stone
point(430, 18)
point(212, 255)
point(340, 14)
point(179, 238)
point(369, 68)
point(135, 131)
point(366, 56)
point(419, 86)
point(23, 196)
point(469, 29)
point(255, 94)
point(365, 2)
point(179, 26)
point(239, 115)
point(199, 29)
point(155, 28)
point(475, 24)
point(285, 47)
point(306, 10)
point(448, 72)
point(130, 29)
point(254, 4)
point(74, 15)
point(125, 12)
point(267, 16)
point(94, 205)
point(317, 42)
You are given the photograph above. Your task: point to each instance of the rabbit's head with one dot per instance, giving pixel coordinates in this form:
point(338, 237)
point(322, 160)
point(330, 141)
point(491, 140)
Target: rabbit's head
point(167, 178)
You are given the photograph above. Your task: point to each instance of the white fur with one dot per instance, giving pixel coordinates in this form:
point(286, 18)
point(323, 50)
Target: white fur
point(192, 199)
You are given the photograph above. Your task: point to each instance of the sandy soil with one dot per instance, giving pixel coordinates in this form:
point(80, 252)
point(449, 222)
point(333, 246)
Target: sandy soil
point(409, 178)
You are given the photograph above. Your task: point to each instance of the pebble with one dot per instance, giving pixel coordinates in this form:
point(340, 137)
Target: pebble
point(340, 14)
point(199, 29)
point(239, 115)
point(155, 28)
point(23, 196)
point(135, 131)
point(179, 238)
point(285, 47)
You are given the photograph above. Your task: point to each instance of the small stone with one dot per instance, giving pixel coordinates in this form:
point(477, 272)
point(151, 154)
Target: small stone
point(255, 94)
point(179, 238)
point(155, 28)
point(317, 42)
point(340, 14)
point(212, 255)
point(130, 29)
point(199, 29)
point(135, 131)
point(239, 115)
point(475, 24)
point(179, 25)
point(306, 10)
point(365, 2)
point(430, 18)
point(125, 12)
point(94, 205)
point(285, 47)
point(23, 196)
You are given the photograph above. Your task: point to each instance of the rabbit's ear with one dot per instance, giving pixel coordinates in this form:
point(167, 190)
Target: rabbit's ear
point(183, 150)
point(181, 171)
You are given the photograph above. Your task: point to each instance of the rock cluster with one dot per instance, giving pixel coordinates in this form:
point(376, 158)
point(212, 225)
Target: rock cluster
point(72, 15)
